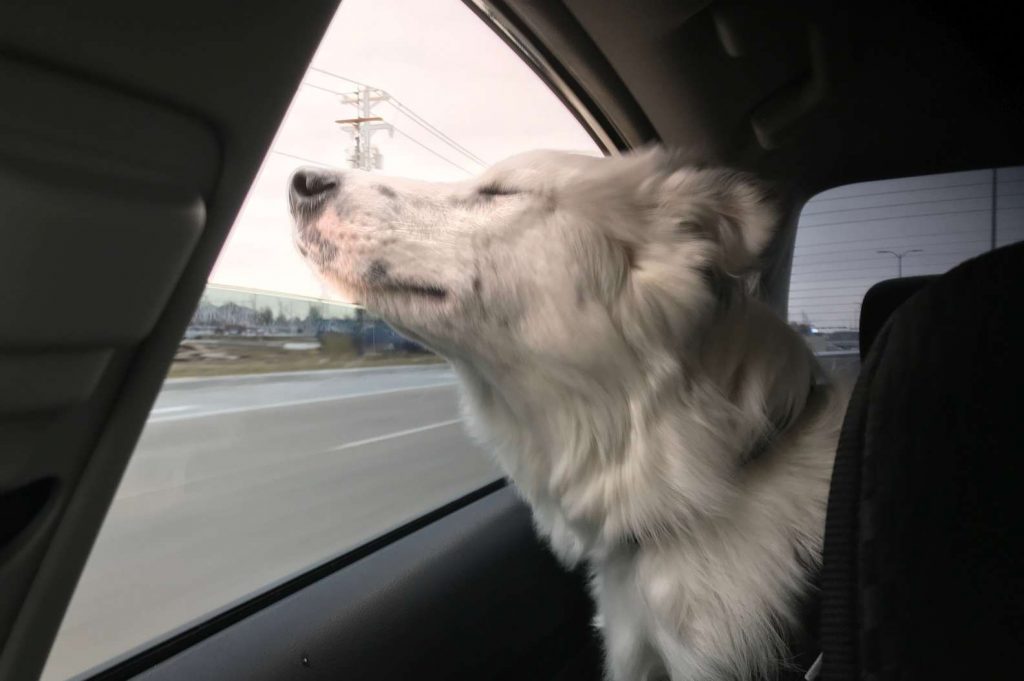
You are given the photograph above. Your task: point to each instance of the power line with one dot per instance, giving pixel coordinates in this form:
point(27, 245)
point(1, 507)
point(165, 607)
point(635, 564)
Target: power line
point(405, 109)
point(871, 245)
point(832, 296)
point(432, 151)
point(899, 191)
point(857, 286)
point(828, 268)
point(839, 317)
point(819, 315)
point(832, 325)
point(800, 277)
point(848, 300)
point(830, 306)
point(897, 217)
point(937, 260)
point(824, 321)
point(894, 205)
point(967, 250)
point(987, 197)
point(325, 89)
point(865, 269)
point(851, 248)
point(848, 291)
point(836, 321)
point(853, 254)
point(852, 293)
point(302, 158)
point(986, 183)
point(335, 75)
point(437, 132)
point(804, 282)
point(968, 230)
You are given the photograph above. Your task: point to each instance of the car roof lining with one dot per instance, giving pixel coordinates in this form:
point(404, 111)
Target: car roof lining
point(816, 94)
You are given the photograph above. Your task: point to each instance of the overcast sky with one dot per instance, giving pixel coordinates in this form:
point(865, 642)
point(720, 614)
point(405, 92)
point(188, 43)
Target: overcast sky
point(438, 60)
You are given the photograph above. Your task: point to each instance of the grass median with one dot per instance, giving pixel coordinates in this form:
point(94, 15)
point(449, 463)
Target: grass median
point(228, 356)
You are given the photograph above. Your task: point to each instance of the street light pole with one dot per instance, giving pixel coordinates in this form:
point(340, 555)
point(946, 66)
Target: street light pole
point(899, 258)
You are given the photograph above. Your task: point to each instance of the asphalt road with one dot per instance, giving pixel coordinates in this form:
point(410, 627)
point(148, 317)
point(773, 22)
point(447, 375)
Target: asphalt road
point(240, 483)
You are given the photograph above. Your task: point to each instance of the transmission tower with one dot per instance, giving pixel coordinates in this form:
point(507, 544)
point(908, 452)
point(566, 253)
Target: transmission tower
point(364, 155)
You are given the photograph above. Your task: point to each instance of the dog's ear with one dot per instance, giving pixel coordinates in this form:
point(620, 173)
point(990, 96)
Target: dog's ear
point(700, 226)
point(732, 209)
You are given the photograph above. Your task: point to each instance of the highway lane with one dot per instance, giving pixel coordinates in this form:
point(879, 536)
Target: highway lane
point(256, 481)
point(186, 398)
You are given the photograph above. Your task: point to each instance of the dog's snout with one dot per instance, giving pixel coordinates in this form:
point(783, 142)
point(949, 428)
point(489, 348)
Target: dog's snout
point(313, 184)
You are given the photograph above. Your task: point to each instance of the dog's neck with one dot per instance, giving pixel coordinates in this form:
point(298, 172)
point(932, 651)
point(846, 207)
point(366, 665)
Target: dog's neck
point(681, 430)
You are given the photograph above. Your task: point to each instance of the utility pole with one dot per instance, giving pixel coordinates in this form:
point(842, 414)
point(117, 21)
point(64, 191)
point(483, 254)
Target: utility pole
point(900, 256)
point(365, 156)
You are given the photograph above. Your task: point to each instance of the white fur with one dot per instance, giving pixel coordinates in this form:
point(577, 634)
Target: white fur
point(659, 420)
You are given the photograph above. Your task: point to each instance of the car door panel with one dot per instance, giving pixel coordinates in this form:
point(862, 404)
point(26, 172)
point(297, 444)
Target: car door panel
point(472, 595)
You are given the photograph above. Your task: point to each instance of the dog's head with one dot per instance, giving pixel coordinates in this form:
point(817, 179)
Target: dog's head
point(550, 259)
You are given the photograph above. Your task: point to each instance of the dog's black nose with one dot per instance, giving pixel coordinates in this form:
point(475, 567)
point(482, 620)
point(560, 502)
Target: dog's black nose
point(309, 190)
point(313, 184)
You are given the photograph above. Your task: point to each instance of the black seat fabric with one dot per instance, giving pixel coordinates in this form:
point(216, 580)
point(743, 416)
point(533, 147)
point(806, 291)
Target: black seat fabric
point(922, 575)
point(881, 301)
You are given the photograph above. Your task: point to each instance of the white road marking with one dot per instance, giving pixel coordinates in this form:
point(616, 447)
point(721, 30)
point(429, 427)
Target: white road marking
point(440, 367)
point(123, 494)
point(397, 433)
point(294, 403)
point(166, 410)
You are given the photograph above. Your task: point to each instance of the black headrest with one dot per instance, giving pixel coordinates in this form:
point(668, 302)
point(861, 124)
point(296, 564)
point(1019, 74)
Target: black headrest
point(923, 571)
point(881, 301)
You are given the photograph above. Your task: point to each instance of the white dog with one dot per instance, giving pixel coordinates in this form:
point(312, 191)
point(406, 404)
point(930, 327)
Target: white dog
point(664, 426)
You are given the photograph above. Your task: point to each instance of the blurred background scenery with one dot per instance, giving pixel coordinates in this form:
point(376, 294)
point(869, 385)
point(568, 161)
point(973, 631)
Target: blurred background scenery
point(241, 331)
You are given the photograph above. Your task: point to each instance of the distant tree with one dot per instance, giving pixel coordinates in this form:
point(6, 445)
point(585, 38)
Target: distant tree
point(360, 328)
point(315, 319)
point(265, 317)
point(281, 320)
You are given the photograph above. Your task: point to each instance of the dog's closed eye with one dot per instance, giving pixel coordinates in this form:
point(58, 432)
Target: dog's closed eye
point(495, 189)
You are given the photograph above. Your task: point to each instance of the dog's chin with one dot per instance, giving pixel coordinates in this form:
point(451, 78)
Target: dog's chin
point(405, 303)
point(344, 288)
point(391, 297)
